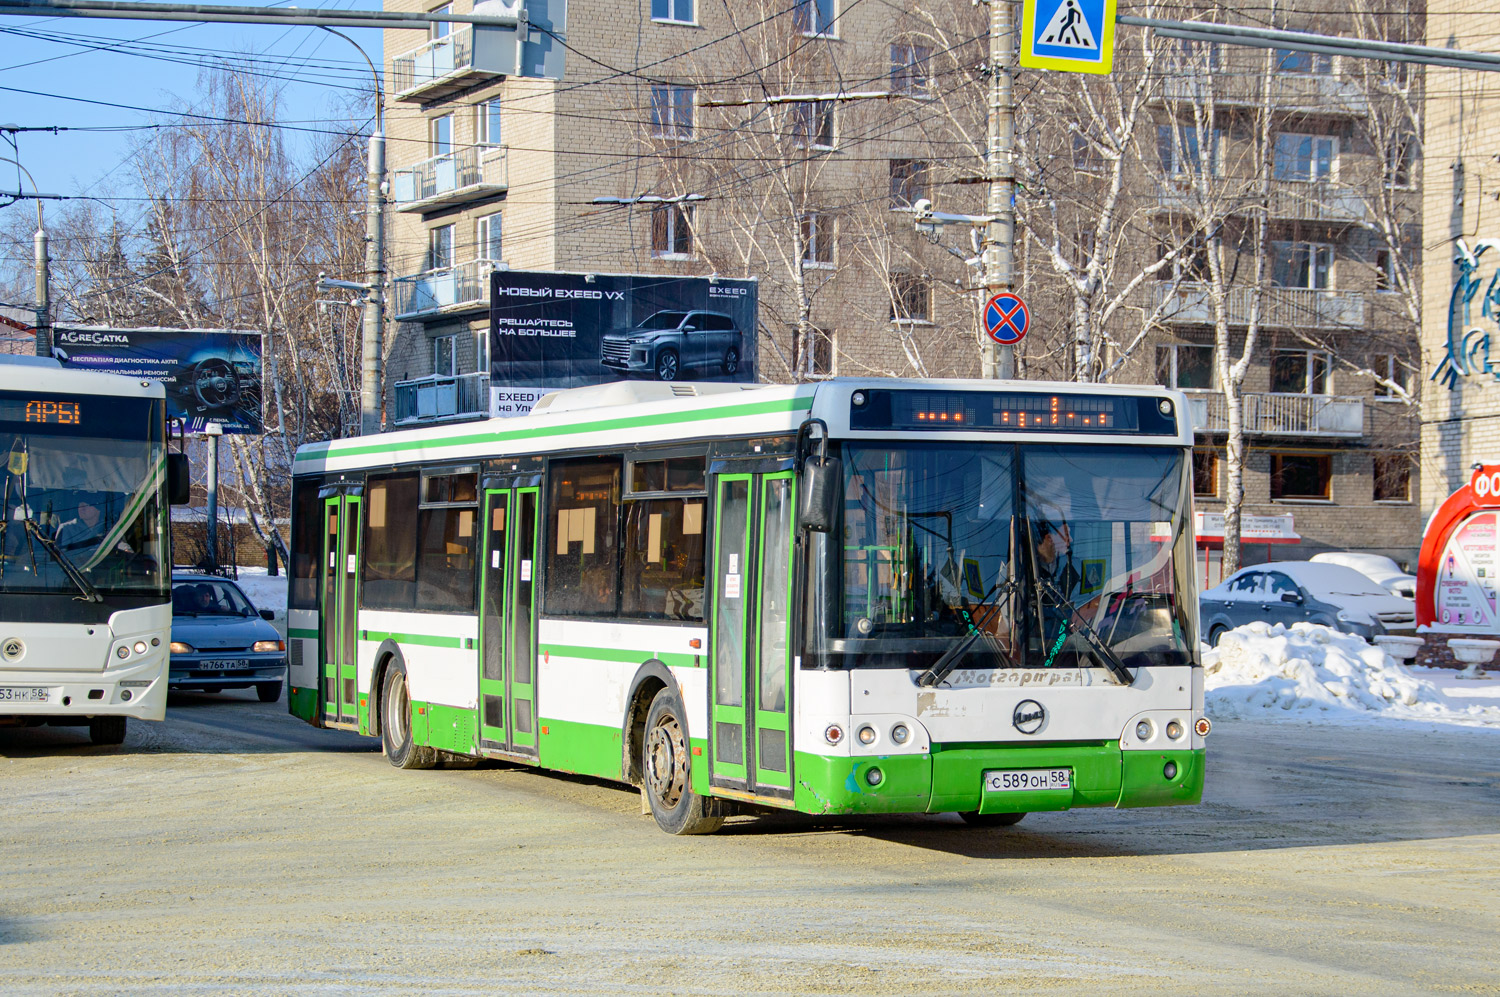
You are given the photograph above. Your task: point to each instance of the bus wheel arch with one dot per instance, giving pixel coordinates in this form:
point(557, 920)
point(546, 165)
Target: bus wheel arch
point(388, 651)
point(650, 678)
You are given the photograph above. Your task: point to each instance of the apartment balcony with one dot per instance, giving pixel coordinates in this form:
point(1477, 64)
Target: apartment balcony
point(1308, 93)
point(468, 56)
point(1188, 303)
point(1290, 200)
point(454, 178)
point(439, 398)
point(1271, 414)
point(461, 288)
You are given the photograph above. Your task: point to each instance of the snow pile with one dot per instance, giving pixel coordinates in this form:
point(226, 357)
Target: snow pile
point(1315, 671)
point(264, 590)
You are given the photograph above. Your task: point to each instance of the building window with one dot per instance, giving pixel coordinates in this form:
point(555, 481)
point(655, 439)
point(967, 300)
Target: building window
point(1182, 365)
point(1205, 473)
point(1301, 476)
point(487, 122)
point(1299, 372)
point(812, 124)
point(908, 182)
point(1302, 264)
point(1392, 374)
point(909, 69)
point(440, 29)
point(1196, 55)
point(823, 350)
point(440, 247)
point(1385, 277)
point(813, 17)
point(817, 240)
point(1178, 150)
point(911, 298)
point(1190, 263)
point(487, 237)
point(1400, 158)
point(680, 11)
point(1312, 63)
point(445, 356)
point(582, 553)
point(440, 135)
point(672, 112)
point(672, 230)
point(1392, 477)
point(482, 353)
point(1304, 157)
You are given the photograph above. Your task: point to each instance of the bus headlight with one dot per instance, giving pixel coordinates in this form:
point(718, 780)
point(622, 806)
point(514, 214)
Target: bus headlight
point(867, 735)
point(1143, 731)
point(178, 647)
point(1174, 729)
point(900, 734)
point(123, 651)
point(140, 647)
point(266, 646)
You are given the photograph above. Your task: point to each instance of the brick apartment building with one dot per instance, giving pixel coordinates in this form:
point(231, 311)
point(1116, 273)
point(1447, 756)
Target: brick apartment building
point(490, 171)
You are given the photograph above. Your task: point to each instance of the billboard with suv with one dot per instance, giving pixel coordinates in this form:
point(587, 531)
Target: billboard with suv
point(551, 330)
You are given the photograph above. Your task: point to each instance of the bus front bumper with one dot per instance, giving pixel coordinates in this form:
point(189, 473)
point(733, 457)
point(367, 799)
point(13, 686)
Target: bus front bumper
point(952, 780)
point(138, 691)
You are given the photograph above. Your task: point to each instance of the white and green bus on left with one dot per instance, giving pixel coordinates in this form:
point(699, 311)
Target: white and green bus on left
point(849, 597)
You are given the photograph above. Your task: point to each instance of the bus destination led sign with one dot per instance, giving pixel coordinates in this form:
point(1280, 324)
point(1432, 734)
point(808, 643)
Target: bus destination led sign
point(41, 411)
point(1010, 411)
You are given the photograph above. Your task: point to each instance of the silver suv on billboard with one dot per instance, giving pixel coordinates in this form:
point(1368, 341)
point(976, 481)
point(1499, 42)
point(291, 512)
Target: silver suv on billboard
point(668, 343)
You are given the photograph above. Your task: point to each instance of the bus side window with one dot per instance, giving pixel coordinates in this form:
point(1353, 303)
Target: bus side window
point(663, 560)
point(390, 561)
point(583, 512)
point(307, 539)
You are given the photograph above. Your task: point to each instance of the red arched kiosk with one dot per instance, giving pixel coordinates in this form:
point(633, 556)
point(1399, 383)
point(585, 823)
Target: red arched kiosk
point(1458, 590)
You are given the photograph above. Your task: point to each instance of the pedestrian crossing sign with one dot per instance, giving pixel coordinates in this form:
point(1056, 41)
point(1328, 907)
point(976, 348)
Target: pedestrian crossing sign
point(1071, 36)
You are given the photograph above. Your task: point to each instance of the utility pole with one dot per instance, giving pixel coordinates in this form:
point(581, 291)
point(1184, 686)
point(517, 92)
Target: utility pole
point(214, 430)
point(43, 296)
point(1000, 231)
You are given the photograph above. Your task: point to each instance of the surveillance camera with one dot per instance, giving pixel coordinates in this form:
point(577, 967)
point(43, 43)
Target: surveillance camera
point(922, 208)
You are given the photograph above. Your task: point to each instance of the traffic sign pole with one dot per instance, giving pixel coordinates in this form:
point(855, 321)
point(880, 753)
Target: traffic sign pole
point(999, 361)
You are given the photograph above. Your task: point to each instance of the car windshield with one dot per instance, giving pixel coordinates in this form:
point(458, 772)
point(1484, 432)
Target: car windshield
point(1052, 553)
point(209, 598)
point(663, 320)
point(81, 503)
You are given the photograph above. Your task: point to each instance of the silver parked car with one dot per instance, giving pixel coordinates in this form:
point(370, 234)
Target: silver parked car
point(1379, 569)
point(1290, 592)
point(670, 342)
point(220, 641)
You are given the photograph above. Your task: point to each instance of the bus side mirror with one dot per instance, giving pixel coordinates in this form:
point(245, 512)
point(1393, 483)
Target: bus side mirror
point(179, 480)
point(822, 487)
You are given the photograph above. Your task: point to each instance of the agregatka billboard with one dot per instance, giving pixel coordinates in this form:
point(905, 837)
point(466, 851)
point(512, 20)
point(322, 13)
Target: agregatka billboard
point(210, 375)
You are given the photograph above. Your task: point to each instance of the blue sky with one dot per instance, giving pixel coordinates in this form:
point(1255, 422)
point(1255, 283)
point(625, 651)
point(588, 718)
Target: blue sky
point(313, 69)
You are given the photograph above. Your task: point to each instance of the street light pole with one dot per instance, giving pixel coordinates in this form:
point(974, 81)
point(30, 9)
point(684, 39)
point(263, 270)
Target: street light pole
point(1000, 231)
point(41, 266)
point(371, 388)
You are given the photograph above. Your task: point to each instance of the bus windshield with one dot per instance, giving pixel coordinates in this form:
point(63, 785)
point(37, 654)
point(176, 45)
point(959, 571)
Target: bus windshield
point(1034, 556)
point(82, 509)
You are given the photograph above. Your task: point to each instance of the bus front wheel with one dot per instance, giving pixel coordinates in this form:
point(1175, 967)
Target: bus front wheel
point(107, 730)
point(665, 772)
point(395, 725)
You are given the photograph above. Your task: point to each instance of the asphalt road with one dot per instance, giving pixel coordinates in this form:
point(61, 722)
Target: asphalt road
point(233, 850)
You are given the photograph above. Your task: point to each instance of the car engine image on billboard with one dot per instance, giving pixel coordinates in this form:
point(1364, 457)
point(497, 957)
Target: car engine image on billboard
point(210, 375)
point(550, 331)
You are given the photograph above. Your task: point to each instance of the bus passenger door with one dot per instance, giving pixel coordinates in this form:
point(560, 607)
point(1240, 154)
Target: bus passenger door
point(507, 683)
point(751, 736)
point(495, 560)
point(340, 605)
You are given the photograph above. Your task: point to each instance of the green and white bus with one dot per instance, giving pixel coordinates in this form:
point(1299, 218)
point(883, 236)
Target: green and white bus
point(849, 597)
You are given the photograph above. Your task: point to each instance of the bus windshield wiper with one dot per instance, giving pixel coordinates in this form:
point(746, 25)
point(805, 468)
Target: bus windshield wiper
point(1091, 636)
point(949, 658)
point(90, 594)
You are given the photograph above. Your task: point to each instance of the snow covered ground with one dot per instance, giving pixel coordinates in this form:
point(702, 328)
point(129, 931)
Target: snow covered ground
point(266, 592)
point(1314, 672)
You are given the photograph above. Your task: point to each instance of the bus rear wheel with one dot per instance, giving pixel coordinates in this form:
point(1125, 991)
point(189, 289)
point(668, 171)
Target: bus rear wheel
point(665, 772)
point(107, 730)
point(395, 724)
point(991, 820)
